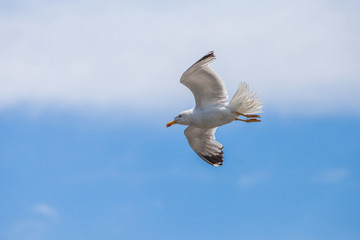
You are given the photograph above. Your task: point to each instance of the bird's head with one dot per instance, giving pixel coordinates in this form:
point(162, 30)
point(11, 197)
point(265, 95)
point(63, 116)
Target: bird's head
point(182, 118)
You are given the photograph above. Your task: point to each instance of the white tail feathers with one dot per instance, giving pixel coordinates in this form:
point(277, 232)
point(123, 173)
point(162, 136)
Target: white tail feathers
point(245, 101)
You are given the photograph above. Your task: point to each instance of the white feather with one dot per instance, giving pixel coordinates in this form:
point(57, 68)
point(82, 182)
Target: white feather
point(245, 101)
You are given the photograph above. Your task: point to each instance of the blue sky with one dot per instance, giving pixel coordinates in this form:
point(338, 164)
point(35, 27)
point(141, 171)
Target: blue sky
point(66, 176)
point(88, 86)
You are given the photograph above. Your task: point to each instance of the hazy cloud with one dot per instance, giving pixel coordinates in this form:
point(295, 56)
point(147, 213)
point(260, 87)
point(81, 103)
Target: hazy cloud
point(333, 175)
point(45, 210)
point(300, 56)
point(28, 230)
point(252, 179)
point(31, 226)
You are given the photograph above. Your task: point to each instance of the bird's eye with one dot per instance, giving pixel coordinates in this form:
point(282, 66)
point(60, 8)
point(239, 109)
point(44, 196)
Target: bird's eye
point(180, 116)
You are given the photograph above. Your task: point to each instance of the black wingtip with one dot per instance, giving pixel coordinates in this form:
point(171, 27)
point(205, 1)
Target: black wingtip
point(216, 160)
point(208, 55)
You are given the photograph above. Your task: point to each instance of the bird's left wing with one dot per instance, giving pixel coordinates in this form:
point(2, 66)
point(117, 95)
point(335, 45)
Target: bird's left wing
point(206, 86)
point(203, 142)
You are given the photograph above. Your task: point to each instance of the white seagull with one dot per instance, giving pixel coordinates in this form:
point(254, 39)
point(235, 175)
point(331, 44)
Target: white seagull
point(212, 109)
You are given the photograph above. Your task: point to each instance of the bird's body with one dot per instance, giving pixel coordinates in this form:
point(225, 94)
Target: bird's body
point(211, 116)
point(212, 109)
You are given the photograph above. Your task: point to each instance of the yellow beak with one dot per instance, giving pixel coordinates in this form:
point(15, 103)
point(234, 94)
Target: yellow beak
point(170, 123)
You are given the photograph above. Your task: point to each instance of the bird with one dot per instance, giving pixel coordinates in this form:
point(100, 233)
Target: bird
point(212, 109)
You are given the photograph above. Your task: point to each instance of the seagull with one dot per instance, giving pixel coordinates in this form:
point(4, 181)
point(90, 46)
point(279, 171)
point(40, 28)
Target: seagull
point(212, 109)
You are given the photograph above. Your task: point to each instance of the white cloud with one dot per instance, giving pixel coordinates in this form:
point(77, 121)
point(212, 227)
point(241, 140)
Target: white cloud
point(299, 56)
point(252, 179)
point(45, 210)
point(332, 176)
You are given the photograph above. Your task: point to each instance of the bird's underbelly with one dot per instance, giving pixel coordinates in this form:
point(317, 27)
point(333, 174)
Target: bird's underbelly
point(212, 118)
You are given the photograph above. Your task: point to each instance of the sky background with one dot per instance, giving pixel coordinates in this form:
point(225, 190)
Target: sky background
point(86, 88)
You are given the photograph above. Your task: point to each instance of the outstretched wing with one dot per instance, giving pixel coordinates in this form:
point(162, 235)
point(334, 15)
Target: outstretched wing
point(203, 142)
point(206, 86)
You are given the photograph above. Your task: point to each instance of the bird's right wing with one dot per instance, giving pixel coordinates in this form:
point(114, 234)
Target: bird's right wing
point(206, 86)
point(203, 142)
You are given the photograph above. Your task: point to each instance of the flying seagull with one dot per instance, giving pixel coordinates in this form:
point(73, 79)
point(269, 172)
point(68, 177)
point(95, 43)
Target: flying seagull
point(212, 109)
